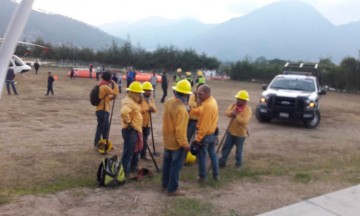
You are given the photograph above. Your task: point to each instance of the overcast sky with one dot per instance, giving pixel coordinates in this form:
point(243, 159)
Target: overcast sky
point(96, 12)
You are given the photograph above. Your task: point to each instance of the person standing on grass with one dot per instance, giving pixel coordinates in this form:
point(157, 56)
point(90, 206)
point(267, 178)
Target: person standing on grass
point(36, 66)
point(164, 86)
point(108, 91)
point(153, 81)
point(50, 84)
point(131, 122)
point(208, 116)
point(10, 76)
point(147, 107)
point(175, 120)
point(240, 114)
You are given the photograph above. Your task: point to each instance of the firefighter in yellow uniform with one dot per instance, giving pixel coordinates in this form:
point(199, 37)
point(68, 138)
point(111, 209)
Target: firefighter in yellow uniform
point(131, 127)
point(240, 114)
point(177, 76)
point(208, 117)
point(147, 107)
point(175, 120)
point(200, 78)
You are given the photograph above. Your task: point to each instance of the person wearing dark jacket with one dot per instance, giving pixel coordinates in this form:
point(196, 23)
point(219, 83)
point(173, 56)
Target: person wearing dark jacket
point(10, 76)
point(36, 66)
point(50, 84)
point(164, 86)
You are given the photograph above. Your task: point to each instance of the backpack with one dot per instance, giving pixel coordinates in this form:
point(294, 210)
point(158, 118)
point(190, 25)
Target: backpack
point(94, 96)
point(110, 172)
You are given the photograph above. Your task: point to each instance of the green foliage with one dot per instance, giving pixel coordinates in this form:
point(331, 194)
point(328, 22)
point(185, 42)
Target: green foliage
point(302, 177)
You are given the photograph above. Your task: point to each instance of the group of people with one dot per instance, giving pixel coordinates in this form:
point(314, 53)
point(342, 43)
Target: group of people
point(10, 82)
point(189, 124)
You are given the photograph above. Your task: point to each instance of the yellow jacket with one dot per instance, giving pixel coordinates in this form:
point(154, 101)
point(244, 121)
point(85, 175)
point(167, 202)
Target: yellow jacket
point(175, 121)
point(193, 104)
point(131, 114)
point(208, 114)
point(145, 110)
point(107, 92)
point(238, 126)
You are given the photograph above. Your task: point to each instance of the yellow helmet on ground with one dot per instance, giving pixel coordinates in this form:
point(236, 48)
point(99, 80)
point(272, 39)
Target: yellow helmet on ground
point(188, 73)
point(105, 146)
point(200, 73)
point(179, 70)
point(243, 95)
point(135, 87)
point(183, 86)
point(190, 158)
point(147, 86)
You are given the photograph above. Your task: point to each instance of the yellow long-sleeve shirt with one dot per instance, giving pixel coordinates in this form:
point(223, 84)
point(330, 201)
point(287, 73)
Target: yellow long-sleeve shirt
point(175, 120)
point(238, 126)
point(208, 114)
point(193, 105)
point(107, 93)
point(145, 105)
point(131, 114)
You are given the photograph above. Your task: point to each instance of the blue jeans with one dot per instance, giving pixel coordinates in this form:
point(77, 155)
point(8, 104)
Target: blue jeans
point(191, 129)
point(208, 143)
point(12, 84)
point(146, 133)
point(172, 163)
point(229, 143)
point(102, 126)
point(129, 159)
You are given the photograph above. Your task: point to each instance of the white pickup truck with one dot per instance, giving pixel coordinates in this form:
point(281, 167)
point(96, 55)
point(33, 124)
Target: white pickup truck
point(292, 95)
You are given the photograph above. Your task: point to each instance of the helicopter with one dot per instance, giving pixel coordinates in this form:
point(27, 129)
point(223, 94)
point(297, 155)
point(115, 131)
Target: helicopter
point(17, 63)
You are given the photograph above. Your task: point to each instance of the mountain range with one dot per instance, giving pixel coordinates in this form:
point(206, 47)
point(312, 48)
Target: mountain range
point(57, 29)
point(289, 30)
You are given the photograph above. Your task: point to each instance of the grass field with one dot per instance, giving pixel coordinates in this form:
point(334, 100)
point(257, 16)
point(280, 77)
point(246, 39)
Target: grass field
point(48, 165)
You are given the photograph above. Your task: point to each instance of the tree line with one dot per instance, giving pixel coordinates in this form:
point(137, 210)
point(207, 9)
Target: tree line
point(119, 56)
point(345, 76)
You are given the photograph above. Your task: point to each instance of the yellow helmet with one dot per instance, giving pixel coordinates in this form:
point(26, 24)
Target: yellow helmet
point(243, 95)
point(135, 87)
point(179, 70)
point(105, 146)
point(188, 73)
point(183, 86)
point(200, 73)
point(147, 86)
point(190, 158)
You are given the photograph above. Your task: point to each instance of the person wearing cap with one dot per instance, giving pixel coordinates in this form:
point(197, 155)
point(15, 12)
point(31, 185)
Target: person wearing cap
point(177, 76)
point(175, 120)
point(131, 122)
point(240, 113)
point(189, 78)
point(147, 107)
point(108, 91)
point(208, 117)
point(200, 78)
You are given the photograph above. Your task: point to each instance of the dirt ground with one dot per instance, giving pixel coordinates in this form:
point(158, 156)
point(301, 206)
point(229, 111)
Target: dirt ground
point(45, 140)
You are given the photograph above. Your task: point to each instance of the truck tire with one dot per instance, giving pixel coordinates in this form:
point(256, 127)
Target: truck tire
point(314, 122)
point(261, 118)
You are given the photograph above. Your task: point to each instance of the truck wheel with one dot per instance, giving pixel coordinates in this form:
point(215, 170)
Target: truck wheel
point(259, 117)
point(314, 122)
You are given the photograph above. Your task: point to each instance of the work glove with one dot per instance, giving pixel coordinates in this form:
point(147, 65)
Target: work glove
point(195, 147)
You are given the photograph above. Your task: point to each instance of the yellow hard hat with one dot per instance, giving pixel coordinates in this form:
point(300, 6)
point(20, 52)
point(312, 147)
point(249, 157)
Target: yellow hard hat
point(179, 70)
point(243, 95)
point(147, 86)
point(190, 158)
point(199, 73)
point(135, 87)
point(105, 146)
point(183, 86)
point(188, 73)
